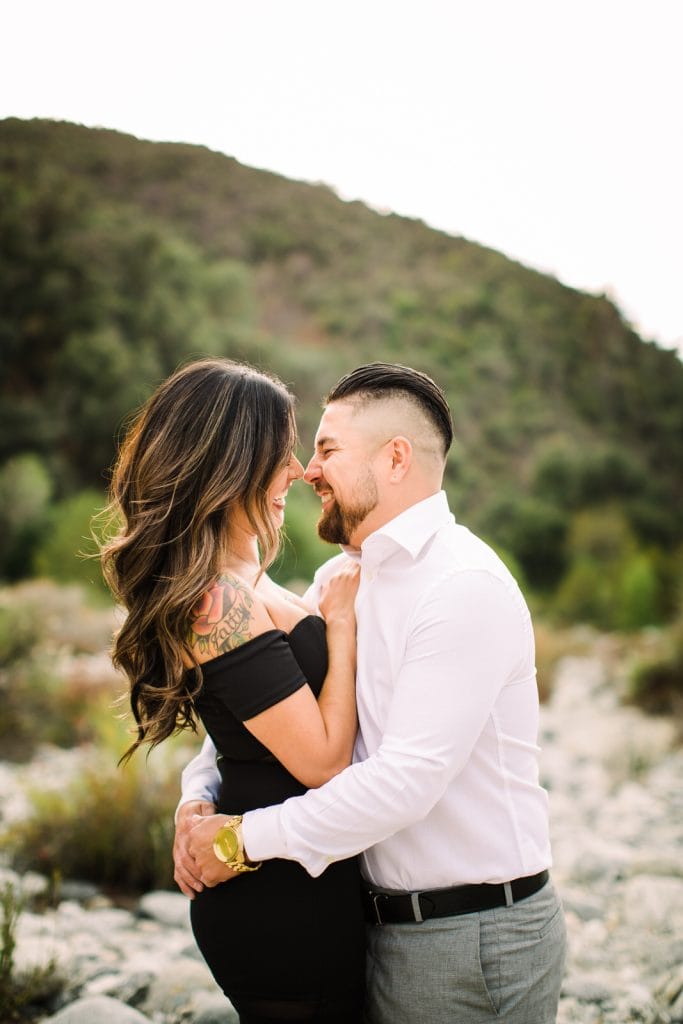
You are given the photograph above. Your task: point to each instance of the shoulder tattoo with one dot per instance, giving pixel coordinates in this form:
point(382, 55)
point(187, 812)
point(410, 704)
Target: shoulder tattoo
point(221, 619)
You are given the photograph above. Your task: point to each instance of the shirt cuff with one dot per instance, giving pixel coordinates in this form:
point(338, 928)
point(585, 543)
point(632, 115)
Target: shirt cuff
point(198, 789)
point(263, 835)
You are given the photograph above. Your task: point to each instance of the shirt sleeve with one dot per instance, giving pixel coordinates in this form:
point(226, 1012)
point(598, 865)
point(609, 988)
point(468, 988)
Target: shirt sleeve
point(200, 778)
point(469, 637)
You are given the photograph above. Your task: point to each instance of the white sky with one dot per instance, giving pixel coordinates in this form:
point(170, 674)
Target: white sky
point(551, 130)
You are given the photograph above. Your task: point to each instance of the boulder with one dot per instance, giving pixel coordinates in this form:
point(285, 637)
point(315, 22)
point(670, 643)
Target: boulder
point(169, 908)
point(175, 989)
point(97, 1010)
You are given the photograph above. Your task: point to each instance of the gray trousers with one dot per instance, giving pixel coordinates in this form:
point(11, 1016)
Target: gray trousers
point(499, 965)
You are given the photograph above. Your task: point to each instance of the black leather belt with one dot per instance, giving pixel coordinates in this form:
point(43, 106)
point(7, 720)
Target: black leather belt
point(403, 907)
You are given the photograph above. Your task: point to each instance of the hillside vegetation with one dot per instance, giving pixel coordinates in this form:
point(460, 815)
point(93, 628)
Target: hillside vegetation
point(121, 258)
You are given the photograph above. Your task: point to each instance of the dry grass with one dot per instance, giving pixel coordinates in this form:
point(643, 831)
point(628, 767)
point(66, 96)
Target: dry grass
point(552, 644)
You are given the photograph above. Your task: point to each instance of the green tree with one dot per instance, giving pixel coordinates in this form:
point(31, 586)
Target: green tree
point(25, 490)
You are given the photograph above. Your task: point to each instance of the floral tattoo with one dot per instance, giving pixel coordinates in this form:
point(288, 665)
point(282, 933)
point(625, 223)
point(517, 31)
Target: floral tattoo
point(222, 617)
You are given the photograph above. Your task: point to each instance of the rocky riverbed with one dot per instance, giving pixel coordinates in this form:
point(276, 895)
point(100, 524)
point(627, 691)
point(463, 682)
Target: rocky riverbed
point(615, 779)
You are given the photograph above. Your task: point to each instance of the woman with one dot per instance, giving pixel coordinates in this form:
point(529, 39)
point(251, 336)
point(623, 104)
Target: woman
point(200, 488)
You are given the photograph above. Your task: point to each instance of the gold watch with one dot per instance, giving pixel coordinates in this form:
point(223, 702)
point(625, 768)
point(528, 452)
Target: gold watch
point(229, 847)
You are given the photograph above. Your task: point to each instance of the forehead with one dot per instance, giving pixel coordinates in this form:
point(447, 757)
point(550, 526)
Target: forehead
point(339, 422)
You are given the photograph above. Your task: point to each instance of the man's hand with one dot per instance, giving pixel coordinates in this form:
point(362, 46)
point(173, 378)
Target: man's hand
point(207, 867)
point(187, 874)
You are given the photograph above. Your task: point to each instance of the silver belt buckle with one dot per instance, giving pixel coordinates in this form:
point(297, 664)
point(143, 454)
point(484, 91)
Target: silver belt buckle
point(375, 897)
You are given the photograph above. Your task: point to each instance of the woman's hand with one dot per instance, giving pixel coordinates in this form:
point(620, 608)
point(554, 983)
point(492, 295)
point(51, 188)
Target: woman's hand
point(338, 595)
point(187, 874)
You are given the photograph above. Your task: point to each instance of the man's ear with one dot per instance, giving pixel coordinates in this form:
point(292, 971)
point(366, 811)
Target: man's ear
point(401, 458)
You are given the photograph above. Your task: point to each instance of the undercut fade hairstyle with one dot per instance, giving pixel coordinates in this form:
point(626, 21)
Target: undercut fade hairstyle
point(209, 440)
point(376, 381)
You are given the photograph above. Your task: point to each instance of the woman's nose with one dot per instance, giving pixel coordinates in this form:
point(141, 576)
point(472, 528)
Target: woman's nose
point(296, 470)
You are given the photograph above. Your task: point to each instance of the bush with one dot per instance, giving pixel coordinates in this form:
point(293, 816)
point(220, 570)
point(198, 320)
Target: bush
point(533, 531)
point(25, 489)
point(611, 582)
point(553, 644)
point(585, 594)
point(638, 600)
point(112, 826)
point(67, 539)
point(45, 697)
point(36, 988)
point(656, 682)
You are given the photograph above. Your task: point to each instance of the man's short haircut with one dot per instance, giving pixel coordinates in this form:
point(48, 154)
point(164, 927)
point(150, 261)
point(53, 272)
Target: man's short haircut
point(377, 381)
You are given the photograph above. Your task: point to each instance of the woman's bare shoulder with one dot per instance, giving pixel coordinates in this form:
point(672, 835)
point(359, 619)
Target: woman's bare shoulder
point(229, 614)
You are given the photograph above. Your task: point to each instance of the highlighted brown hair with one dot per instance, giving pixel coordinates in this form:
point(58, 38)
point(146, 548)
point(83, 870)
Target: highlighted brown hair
point(211, 438)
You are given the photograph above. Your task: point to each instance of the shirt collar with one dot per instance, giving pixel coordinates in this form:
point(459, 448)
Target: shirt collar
point(410, 530)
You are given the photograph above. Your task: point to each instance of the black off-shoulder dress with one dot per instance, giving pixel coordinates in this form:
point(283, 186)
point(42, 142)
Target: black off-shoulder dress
point(283, 946)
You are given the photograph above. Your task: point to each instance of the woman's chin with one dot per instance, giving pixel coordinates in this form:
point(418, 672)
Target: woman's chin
point(278, 517)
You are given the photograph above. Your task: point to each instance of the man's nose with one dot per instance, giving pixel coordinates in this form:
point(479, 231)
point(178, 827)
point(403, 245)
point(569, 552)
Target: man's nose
point(312, 471)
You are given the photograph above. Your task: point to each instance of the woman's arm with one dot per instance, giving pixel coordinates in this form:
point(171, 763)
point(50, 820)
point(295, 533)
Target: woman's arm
point(314, 739)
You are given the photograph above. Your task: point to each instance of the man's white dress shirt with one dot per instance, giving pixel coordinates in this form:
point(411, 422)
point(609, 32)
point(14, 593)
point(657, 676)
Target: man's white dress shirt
point(444, 786)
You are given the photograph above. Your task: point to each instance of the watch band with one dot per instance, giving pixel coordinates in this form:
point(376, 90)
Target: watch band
point(232, 832)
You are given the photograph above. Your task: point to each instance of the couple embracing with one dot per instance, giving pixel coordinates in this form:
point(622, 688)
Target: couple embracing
point(363, 834)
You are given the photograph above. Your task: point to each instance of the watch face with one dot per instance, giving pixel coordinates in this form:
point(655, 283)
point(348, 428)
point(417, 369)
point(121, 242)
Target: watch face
point(226, 842)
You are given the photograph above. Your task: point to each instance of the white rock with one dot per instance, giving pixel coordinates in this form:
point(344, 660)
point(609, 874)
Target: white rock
point(174, 989)
point(213, 1008)
point(97, 1010)
point(170, 908)
point(589, 988)
point(652, 903)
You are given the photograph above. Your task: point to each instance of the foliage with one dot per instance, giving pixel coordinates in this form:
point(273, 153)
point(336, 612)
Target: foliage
point(612, 582)
point(533, 530)
point(552, 644)
point(120, 259)
point(19, 994)
point(112, 825)
point(656, 681)
point(66, 550)
point(25, 489)
point(45, 698)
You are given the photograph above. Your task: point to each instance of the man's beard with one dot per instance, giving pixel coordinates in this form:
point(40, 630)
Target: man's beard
point(338, 522)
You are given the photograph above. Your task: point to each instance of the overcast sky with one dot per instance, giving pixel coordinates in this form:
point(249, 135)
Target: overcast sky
point(551, 130)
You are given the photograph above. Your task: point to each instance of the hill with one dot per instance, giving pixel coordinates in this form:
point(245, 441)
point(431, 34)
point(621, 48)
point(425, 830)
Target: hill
point(119, 258)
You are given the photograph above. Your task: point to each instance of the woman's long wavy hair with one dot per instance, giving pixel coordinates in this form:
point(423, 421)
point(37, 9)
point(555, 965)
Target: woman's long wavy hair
point(209, 440)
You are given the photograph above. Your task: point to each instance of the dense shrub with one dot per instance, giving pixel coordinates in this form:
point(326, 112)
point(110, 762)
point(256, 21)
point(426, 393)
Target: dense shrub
point(44, 696)
point(66, 549)
point(611, 581)
point(25, 489)
point(656, 682)
point(112, 825)
point(533, 531)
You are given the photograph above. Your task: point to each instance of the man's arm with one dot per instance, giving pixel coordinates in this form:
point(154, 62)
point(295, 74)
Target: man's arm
point(200, 779)
point(466, 641)
point(200, 782)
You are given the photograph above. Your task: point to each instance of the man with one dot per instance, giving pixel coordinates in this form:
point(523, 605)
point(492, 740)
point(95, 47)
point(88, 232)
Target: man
point(443, 796)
